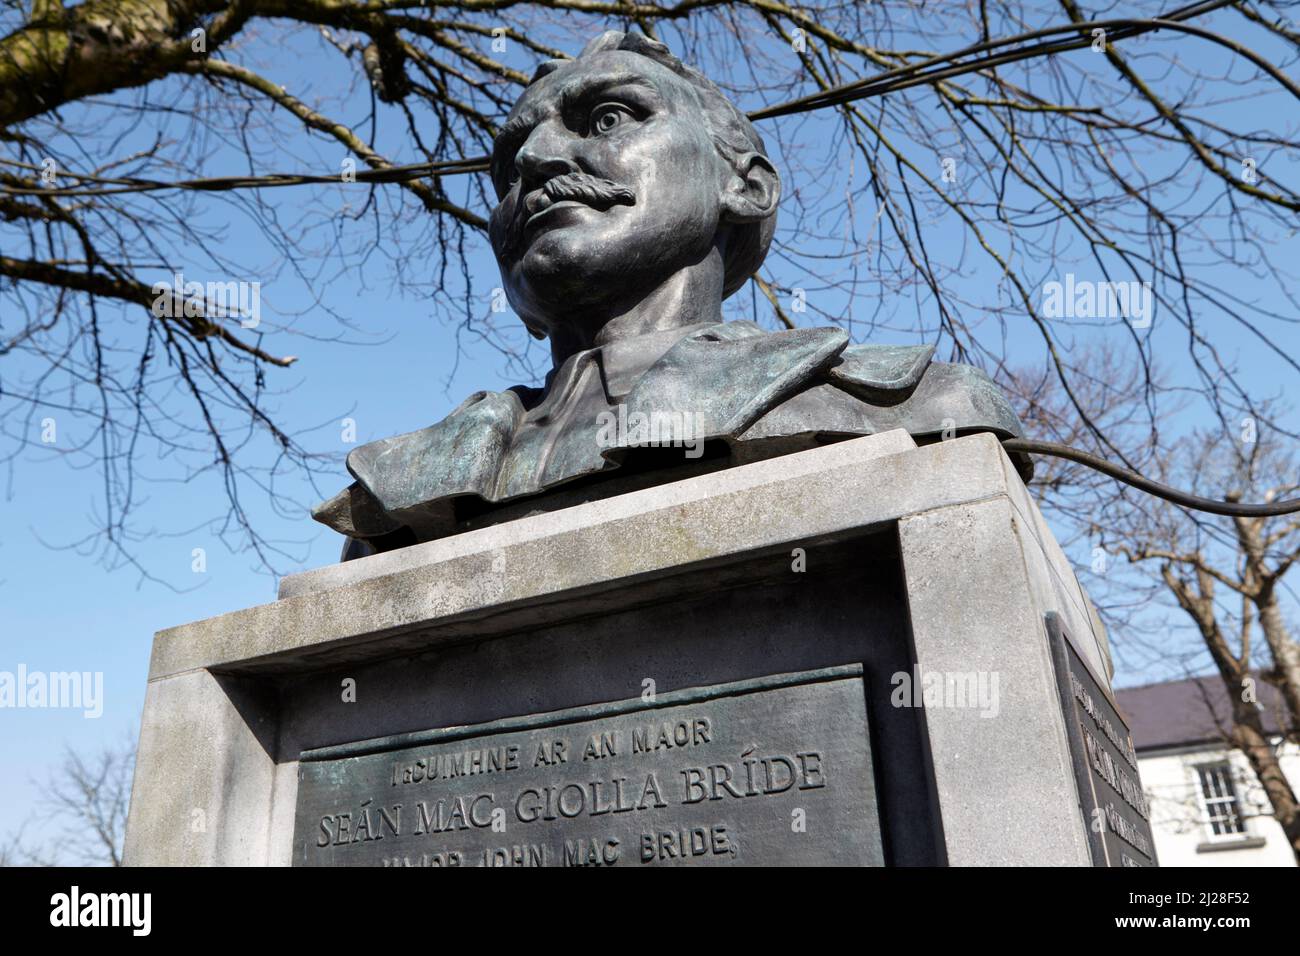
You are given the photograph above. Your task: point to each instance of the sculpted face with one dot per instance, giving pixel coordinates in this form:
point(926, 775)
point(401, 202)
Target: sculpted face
point(609, 182)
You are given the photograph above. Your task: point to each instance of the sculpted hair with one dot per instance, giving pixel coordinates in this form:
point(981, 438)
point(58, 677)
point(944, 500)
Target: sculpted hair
point(732, 133)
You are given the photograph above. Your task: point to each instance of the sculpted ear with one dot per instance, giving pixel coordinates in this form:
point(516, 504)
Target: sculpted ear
point(752, 192)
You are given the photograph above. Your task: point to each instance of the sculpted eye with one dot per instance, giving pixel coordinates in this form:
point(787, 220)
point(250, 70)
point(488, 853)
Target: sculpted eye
point(607, 117)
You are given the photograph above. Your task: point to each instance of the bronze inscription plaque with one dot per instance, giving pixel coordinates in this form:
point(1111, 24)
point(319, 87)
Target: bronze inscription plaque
point(769, 771)
point(1111, 798)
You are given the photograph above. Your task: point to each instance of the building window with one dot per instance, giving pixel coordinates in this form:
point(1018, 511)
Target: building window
point(1219, 797)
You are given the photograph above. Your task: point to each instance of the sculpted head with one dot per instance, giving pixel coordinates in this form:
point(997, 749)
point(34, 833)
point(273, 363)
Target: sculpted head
point(619, 174)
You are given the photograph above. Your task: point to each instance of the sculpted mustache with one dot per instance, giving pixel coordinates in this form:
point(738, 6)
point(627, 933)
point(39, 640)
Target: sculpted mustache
point(592, 190)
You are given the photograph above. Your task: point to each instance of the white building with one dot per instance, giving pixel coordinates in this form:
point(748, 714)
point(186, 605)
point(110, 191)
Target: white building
point(1207, 807)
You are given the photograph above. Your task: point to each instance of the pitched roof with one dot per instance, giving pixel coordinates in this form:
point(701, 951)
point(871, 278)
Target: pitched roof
point(1183, 711)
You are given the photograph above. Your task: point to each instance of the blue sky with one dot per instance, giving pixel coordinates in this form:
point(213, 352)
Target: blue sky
point(60, 610)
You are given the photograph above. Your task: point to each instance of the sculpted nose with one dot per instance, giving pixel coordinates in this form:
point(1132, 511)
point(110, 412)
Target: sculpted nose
point(543, 156)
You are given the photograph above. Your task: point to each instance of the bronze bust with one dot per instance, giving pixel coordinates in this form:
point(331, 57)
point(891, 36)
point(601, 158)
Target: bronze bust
point(633, 197)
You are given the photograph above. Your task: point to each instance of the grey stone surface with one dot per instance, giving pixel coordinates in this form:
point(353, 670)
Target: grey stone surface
point(203, 787)
point(1005, 783)
point(636, 513)
point(618, 235)
point(689, 582)
point(1067, 596)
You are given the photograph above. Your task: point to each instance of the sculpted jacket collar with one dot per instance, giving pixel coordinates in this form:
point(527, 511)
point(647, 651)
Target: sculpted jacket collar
point(765, 392)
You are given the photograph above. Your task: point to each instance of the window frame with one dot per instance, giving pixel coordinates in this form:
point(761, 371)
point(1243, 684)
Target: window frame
point(1231, 801)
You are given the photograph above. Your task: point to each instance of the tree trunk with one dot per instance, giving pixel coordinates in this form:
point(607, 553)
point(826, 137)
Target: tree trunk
point(1249, 737)
point(1286, 659)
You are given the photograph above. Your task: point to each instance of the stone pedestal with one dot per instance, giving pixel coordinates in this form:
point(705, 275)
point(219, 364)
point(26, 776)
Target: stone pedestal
point(733, 668)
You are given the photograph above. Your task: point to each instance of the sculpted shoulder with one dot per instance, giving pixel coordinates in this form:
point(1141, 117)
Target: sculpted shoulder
point(761, 393)
point(410, 480)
